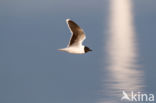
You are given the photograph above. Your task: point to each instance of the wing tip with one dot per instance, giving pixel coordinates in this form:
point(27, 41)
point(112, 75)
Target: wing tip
point(67, 20)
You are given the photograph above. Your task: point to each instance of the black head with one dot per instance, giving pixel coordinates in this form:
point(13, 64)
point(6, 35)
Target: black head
point(86, 49)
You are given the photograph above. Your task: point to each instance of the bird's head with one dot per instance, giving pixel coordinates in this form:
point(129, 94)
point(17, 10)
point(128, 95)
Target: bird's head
point(86, 49)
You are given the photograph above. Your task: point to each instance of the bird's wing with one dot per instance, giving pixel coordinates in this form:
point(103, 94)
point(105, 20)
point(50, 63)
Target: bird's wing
point(77, 34)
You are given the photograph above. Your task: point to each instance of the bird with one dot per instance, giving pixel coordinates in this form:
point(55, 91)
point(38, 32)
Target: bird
point(75, 45)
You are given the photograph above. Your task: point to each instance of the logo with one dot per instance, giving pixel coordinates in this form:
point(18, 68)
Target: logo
point(138, 96)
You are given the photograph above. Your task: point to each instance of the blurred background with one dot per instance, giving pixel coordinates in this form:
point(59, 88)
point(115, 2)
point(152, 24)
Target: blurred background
point(33, 71)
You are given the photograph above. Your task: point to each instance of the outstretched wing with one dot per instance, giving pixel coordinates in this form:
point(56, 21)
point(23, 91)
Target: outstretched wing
point(77, 34)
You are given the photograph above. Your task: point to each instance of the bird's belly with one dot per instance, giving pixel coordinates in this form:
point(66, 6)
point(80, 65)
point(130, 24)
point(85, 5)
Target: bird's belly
point(76, 50)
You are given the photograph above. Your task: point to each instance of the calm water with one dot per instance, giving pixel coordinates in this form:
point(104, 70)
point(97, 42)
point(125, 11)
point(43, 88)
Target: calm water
point(123, 69)
point(120, 32)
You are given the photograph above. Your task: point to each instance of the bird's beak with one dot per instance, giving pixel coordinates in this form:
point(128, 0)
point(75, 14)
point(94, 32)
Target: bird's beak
point(90, 50)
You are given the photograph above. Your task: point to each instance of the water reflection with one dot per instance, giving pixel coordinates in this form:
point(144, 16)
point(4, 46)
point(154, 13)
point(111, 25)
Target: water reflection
point(123, 72)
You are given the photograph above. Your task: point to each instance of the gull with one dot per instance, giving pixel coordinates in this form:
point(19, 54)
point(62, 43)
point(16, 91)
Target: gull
point(77, 37)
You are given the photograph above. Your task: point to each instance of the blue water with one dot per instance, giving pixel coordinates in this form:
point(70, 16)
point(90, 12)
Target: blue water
point(33, 71)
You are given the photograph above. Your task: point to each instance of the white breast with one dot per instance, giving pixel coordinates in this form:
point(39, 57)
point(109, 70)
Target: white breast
point(76, 50)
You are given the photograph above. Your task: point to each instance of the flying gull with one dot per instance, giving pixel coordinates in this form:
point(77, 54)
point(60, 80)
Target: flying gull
point(77, 37)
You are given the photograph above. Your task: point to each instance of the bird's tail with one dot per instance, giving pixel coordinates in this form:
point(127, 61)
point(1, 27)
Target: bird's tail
point(62, 49)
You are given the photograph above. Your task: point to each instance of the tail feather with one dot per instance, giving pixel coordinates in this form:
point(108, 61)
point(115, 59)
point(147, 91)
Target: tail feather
point(63, 49)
